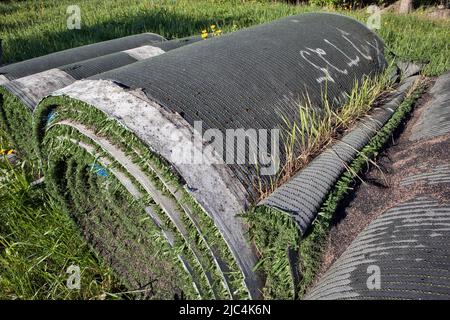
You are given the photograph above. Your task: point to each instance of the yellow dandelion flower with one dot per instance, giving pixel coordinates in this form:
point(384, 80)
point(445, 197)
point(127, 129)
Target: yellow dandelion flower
point(10, 152)
point(204, 35)
point(204, 31)
point(213, 26)
point(3, 151)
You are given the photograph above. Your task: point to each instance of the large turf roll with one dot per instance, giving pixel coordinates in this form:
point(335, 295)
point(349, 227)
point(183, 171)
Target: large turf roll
point(53, 60)
point(131, 132)
point(19, 97)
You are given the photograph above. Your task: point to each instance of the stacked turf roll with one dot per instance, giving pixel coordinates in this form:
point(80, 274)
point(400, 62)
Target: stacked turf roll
point(117, 147)
point(19, 97)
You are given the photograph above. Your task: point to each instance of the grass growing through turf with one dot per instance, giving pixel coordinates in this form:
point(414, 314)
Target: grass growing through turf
point(275, 234)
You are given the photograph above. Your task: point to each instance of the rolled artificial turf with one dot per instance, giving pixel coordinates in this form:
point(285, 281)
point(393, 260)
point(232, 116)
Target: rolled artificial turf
point(407, 244)
point(131, 131)
point(173, 217)
point(19, 97)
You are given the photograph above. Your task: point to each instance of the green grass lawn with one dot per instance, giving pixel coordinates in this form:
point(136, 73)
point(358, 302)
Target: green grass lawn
point(37, 240)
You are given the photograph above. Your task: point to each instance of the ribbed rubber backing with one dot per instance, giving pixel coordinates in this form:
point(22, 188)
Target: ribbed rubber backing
point(249, 78)
point(305, 192)
point(436, 120)
point(88, 68)
point(432, 176)
point(408, 244)
point(177, 43)
point(54, 60)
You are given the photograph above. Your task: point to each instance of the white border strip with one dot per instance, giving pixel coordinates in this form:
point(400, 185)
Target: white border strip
point(144, 52)
point(3, 79)
point(36, 86)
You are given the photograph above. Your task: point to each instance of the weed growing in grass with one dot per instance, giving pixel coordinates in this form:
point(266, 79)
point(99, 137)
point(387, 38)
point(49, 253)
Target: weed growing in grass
point(290, 261)
point(315, 128)
point(215, 31)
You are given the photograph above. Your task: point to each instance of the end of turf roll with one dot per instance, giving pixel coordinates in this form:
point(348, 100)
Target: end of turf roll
point(60, 58)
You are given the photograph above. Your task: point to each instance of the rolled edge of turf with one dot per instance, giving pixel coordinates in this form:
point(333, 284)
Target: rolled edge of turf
point(19, 97)
point(409, 240)
point(200, 207)
point(407, 244)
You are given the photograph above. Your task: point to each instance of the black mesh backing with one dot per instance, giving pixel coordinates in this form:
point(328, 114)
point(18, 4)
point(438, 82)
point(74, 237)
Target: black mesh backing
point(409, 246)
point(88, 68)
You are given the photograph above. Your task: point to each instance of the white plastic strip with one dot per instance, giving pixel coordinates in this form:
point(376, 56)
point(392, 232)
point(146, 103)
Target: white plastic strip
point(3, 79)
point(144, 52)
